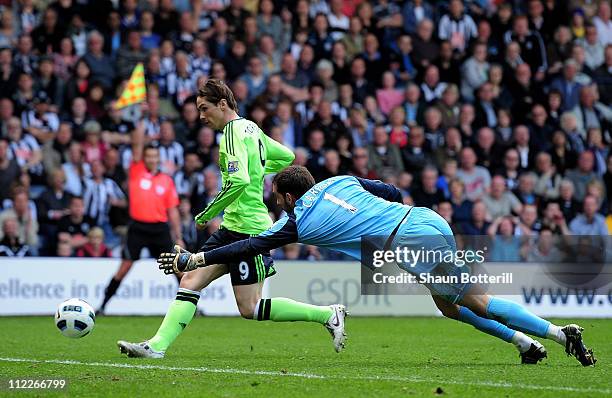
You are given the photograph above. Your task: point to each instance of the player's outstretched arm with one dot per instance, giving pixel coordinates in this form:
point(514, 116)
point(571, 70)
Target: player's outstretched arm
point(283, 232)
point(278, 156)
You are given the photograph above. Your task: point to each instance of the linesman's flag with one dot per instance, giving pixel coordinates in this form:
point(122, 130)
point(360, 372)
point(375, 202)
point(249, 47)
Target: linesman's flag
point(135, 91)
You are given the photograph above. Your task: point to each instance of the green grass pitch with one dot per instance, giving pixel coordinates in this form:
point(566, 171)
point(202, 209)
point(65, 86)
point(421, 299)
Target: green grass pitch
point(231, 357)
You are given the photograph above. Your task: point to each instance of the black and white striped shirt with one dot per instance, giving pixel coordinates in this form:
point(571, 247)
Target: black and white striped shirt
point(185, 185)
point(171, 157)
point(181, 87)
point(98, 196)
point(458, 31)
point(49, 121)
point(23, 150)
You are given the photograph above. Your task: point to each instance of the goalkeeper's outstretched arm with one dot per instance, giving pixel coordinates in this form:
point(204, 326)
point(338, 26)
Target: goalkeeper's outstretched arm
point(283, 232)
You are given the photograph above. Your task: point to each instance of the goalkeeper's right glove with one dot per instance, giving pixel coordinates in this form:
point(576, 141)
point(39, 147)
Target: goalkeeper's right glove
point(179, 261)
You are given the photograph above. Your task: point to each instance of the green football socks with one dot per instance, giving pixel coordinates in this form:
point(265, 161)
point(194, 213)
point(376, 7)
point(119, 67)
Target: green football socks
point(282, 309)
point(177, 318)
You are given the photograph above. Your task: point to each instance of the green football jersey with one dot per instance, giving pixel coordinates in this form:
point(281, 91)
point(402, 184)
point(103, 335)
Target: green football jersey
point(246, 155)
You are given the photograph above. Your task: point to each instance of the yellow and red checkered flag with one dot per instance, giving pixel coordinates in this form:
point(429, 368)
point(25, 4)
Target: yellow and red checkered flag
point(135, 91)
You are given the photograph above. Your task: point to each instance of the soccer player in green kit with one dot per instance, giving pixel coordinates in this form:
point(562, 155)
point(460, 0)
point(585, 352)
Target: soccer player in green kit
point(246, 154)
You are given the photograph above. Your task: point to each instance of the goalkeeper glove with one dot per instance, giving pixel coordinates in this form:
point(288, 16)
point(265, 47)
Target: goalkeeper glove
point(180, 261)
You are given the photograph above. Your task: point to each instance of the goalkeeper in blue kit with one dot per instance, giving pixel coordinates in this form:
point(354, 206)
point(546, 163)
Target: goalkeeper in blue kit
point(337, 212)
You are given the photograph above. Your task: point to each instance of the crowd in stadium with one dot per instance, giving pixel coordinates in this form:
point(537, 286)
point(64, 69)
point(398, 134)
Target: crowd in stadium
point(497, 114)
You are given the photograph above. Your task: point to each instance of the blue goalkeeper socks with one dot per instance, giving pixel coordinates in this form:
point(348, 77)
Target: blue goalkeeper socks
point(516, 317)
point(488, 326)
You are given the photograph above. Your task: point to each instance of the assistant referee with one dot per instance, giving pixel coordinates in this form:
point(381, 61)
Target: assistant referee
point(153, 203)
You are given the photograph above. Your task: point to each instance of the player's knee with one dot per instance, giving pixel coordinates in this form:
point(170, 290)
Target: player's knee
point(246, 310)
point(451, 311)
point(190, 281)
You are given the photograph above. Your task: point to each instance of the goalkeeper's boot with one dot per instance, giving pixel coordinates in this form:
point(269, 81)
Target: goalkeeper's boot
point(335, 325)
point(139, 350)
point(534, 354)
point(575, 347)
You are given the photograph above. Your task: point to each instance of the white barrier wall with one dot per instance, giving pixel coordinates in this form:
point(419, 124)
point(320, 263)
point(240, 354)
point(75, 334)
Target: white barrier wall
point(35, 286)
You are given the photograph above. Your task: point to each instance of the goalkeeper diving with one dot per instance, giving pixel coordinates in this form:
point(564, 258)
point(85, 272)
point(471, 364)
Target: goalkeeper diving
point(337, 212)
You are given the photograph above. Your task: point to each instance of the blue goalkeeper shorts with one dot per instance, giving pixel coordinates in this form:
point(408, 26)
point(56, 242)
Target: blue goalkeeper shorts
point(425, 231)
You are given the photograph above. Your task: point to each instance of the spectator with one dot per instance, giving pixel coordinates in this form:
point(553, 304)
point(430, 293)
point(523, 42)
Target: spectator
point(95, 245)
point(553, 219)
point(11, 244)
point(388, 97)
point(414, 12)
point(528, 224)
point(75, 169)
point(100, 195)
point(589, 222)
point(582, 175)
point(49, 83)
point(451, 148)
point(425, 48)
point(457, 27)
point(540, 131)
point(316, 142)
point(100, 64)
point(477, 224)
point(397, 128)
point(93, 147)
point(25, 59)
point(485, 108)
point(593, 48)
point(569, 205)
point(449, 107)
point(591, 113)
point(533, 51)
point(476, 178)
point(400, 59)
point(254, 78)
point(41, 122)
point(353, 39)
point(567, 85)
point(598, 147)
point(188, 226)
point(506, 247)
point(361, 162)
point(603, 23)
point(52, 205)
point(414, 107)
point(523, 146)
point(474, 72)
point(548, 181)
point(432, 87)
point(27, 225)
point(416, 154)
point(9, 169)
point(78, 85)
point(24, 149)
point(603, 76)
point(180, 83)
point(384, 156)
point(427, 194)
point(148, 39)
point(499, 201)
point(462, 207)
point(525, 191)
point(189, 176)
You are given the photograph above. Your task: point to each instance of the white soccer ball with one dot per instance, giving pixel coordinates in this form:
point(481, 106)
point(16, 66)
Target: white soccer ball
point(75, 318)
